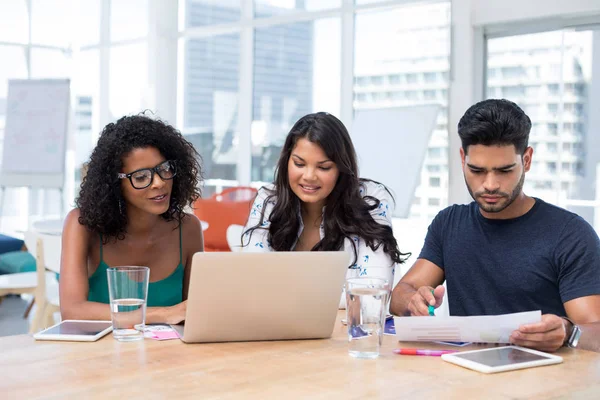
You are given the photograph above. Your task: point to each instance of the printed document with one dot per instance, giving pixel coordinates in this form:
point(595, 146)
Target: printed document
point(477, 329)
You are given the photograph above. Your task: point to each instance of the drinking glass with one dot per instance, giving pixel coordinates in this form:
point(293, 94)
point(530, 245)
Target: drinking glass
point(366, 307)
point(128, 291)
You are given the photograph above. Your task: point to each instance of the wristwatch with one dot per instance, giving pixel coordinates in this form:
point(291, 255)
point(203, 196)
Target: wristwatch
point(573, 335)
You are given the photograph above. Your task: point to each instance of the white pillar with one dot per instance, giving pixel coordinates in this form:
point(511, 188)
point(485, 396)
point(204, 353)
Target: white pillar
point(162, 58)
point(104, 116)
point(597, 208)
point(466, 88)
point(246, 92)
point(590, 184)
point(347, 64)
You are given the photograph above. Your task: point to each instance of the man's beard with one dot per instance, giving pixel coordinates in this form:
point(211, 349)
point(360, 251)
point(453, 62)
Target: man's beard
point(509, 198)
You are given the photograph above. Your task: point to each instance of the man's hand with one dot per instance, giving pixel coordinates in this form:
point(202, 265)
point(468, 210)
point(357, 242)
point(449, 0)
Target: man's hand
point(423, 298)
point(547, 335)
point(176, 313)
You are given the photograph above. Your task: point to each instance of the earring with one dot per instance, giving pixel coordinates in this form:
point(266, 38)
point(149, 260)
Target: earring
point(121, 206)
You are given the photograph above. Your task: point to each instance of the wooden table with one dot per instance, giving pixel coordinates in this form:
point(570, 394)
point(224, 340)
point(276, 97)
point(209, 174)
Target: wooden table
point(315, 369)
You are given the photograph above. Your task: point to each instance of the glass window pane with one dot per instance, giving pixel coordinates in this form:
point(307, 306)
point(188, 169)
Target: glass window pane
point(49, 63)
point(268, 8)
point(128, 19)
point(88, 22)
point(362, 2)
point(85, 87)
point(128, 84)
point(402, 60)
point(210, 102)
point(294, 75)
point(557, 63)
point(52, 22)
point(14, 22)
point(208, 12)
point(13, 66)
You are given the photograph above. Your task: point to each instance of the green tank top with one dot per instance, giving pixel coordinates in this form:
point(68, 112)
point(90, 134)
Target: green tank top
point(163, 293)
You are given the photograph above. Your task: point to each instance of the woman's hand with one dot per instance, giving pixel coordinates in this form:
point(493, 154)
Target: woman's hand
point(176, 313)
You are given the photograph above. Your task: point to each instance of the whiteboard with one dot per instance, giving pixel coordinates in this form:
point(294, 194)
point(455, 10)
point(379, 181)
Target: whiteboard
point(391, 144)
point(35, 135)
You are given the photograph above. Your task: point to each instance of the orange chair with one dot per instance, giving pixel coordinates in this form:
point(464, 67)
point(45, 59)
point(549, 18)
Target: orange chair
point(231, 206)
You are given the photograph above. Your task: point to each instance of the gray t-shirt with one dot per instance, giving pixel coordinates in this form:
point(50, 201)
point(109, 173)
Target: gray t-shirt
point(537, 261)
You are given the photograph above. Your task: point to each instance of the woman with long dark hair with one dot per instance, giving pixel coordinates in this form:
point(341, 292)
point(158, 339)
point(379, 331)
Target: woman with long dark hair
point(130, 211)
point(318, 202)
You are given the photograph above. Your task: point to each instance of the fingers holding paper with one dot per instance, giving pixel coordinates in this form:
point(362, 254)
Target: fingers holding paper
point(424, 297)
point(547, 335)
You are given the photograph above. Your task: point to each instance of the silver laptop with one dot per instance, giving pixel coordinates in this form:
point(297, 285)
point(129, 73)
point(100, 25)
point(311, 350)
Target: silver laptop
point(263, 296)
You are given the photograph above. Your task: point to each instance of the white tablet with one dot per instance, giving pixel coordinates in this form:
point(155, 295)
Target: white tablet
point(501, 359)
point(76, 330)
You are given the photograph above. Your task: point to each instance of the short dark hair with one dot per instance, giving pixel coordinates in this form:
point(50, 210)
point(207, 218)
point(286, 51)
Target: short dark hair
point(495, 122)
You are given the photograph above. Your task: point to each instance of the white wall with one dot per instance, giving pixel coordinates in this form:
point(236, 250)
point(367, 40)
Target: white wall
point(490, 12)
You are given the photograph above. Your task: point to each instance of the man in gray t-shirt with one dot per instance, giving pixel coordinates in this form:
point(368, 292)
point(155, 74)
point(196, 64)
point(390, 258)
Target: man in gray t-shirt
point(507, 252)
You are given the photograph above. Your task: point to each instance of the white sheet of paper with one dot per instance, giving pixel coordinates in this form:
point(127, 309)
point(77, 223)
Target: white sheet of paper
point(477, 329)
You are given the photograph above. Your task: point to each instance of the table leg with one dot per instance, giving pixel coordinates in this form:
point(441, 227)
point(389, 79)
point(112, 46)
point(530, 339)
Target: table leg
point(29, 307)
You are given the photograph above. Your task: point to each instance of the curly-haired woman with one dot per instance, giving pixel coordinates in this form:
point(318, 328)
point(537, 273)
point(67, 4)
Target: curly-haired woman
point(140, 177)
point(318, 202)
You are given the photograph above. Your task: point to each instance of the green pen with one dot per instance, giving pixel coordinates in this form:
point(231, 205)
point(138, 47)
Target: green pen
point(432, 308)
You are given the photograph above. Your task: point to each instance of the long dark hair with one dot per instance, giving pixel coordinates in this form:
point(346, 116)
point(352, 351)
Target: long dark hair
point(347, 213)
point(100, 199)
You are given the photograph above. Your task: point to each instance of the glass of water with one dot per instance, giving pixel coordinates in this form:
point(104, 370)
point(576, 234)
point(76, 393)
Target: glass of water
point(366, 301)
point(128, 290)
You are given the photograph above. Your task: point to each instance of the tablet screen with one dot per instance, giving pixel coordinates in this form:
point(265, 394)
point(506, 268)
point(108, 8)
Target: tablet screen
point(501, 356)
point(86, 328)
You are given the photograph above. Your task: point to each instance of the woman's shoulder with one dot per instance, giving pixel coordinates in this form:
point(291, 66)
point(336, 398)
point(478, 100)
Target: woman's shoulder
point(374, 189)
point(73, 215)
point(72, 225)
point(266, 192)
point(190, 225)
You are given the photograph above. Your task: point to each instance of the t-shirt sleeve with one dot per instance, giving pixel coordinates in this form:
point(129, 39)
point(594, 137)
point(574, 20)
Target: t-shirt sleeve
point(432, 248)
point(578, 258)
point(383, 213)
point(256, 240)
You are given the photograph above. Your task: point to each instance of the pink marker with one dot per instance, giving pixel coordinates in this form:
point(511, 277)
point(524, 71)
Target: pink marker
point(423, 352)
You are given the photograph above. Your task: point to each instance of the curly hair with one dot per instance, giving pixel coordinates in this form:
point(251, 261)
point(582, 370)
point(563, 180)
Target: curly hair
point(100, 199)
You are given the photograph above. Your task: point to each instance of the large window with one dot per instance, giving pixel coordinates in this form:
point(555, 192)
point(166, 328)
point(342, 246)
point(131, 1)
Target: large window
point(550, 76)
point(402, 60)
point(194, 13)
point(52, 22)
point(128, 19)
point(295, 74)
point(13, 66)
point(210, 101)
point(129, 91)
point(267, 8)
point(14, 23)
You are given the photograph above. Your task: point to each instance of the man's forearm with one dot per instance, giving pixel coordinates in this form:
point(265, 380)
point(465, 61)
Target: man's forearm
point(401, 298)
point(590, 337)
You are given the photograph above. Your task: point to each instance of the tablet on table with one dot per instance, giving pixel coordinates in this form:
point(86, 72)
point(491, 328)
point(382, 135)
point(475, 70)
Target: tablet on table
point(501, 359)
point(76, 330)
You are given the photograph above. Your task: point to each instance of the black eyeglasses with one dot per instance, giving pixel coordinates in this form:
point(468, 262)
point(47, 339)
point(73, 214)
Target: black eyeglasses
point(142, 178)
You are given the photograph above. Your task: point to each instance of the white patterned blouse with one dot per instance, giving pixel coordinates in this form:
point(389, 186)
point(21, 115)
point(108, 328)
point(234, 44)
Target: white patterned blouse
point(369, 263)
